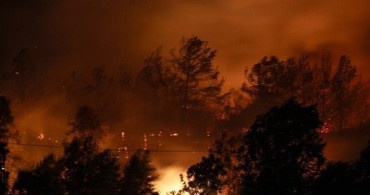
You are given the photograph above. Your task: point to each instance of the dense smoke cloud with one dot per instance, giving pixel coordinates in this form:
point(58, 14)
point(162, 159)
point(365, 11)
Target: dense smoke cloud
point(74, 34)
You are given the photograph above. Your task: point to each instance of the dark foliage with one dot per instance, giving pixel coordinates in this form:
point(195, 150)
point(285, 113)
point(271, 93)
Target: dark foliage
point(218, 172)
point(138, 175)
point(6, 119)
point(44, 179)
point(186, 88)
point(362, 166)
point(336, 178)
point(340, 95)
point(85, 170)
point(86, 123)
point(283, 151)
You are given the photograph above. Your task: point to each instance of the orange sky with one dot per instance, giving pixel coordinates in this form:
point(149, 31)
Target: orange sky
point(64, 35)
point(72, 34)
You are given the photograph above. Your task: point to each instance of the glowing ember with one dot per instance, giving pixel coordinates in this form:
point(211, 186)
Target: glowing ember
point(145, 142)
point(41, 136)
point(326, 128)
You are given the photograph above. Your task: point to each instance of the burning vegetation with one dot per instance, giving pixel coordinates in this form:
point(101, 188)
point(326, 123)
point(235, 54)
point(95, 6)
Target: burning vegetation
point(89, 106)
point(181, 98)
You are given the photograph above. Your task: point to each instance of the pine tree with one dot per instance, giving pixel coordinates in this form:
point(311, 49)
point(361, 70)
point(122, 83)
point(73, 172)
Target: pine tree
point(86, 170)
point(44, 179)
point(139, 175)
point(197, 79)
point(341, 88)
point(86, 123)
point(156, 77)
point(184, 89)
point(190, 80)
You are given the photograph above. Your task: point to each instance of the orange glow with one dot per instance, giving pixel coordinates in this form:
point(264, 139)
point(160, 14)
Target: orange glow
point(169, 179)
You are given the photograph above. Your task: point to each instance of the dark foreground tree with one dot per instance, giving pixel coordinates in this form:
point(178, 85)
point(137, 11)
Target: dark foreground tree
point(82, 170)
point(345, 178)
point(205, 176)
point(336, 178)
point(139, 175)
point(217, 173)
point(6, 119)
point(283, 151)
point(44, 179)
point(363, 169)
point(85, 170)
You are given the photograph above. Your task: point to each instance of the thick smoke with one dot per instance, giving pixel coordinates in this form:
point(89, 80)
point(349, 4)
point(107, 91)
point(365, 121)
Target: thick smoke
point(77, 34)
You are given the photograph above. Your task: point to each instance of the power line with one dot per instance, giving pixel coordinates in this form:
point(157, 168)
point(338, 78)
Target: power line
point(128, 150)
point(35, 145)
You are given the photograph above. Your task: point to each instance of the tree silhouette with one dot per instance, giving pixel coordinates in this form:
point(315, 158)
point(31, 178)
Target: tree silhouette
point(156, 77)
point(86, 123)
point(184, 89)
point(104, 92)
point(265, 80)
point(197, 79)
point(218, 172)
point(323, 74)
point(6, 119)
point(282, 151)
point(44, 179)
point(190, 79)
point(345, 178)
point(343, 94)
point(337, 178)
point(363, 168)
point(22, 80)
point(272, 81)
point(138, 175)
point(155, 87)
point(204, 177)
point(85, 170)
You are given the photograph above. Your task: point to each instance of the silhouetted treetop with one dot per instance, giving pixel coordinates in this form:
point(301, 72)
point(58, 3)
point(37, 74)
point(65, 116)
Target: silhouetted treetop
point(86, 123)
point(197, 78)
point(190, 79)
point(337, 90)
point(87, 170)
point(139, 175)
point(44, 179)
point(283, 151)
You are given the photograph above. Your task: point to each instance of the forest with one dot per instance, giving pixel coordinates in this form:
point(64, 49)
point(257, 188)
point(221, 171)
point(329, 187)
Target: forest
point(265, 136)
